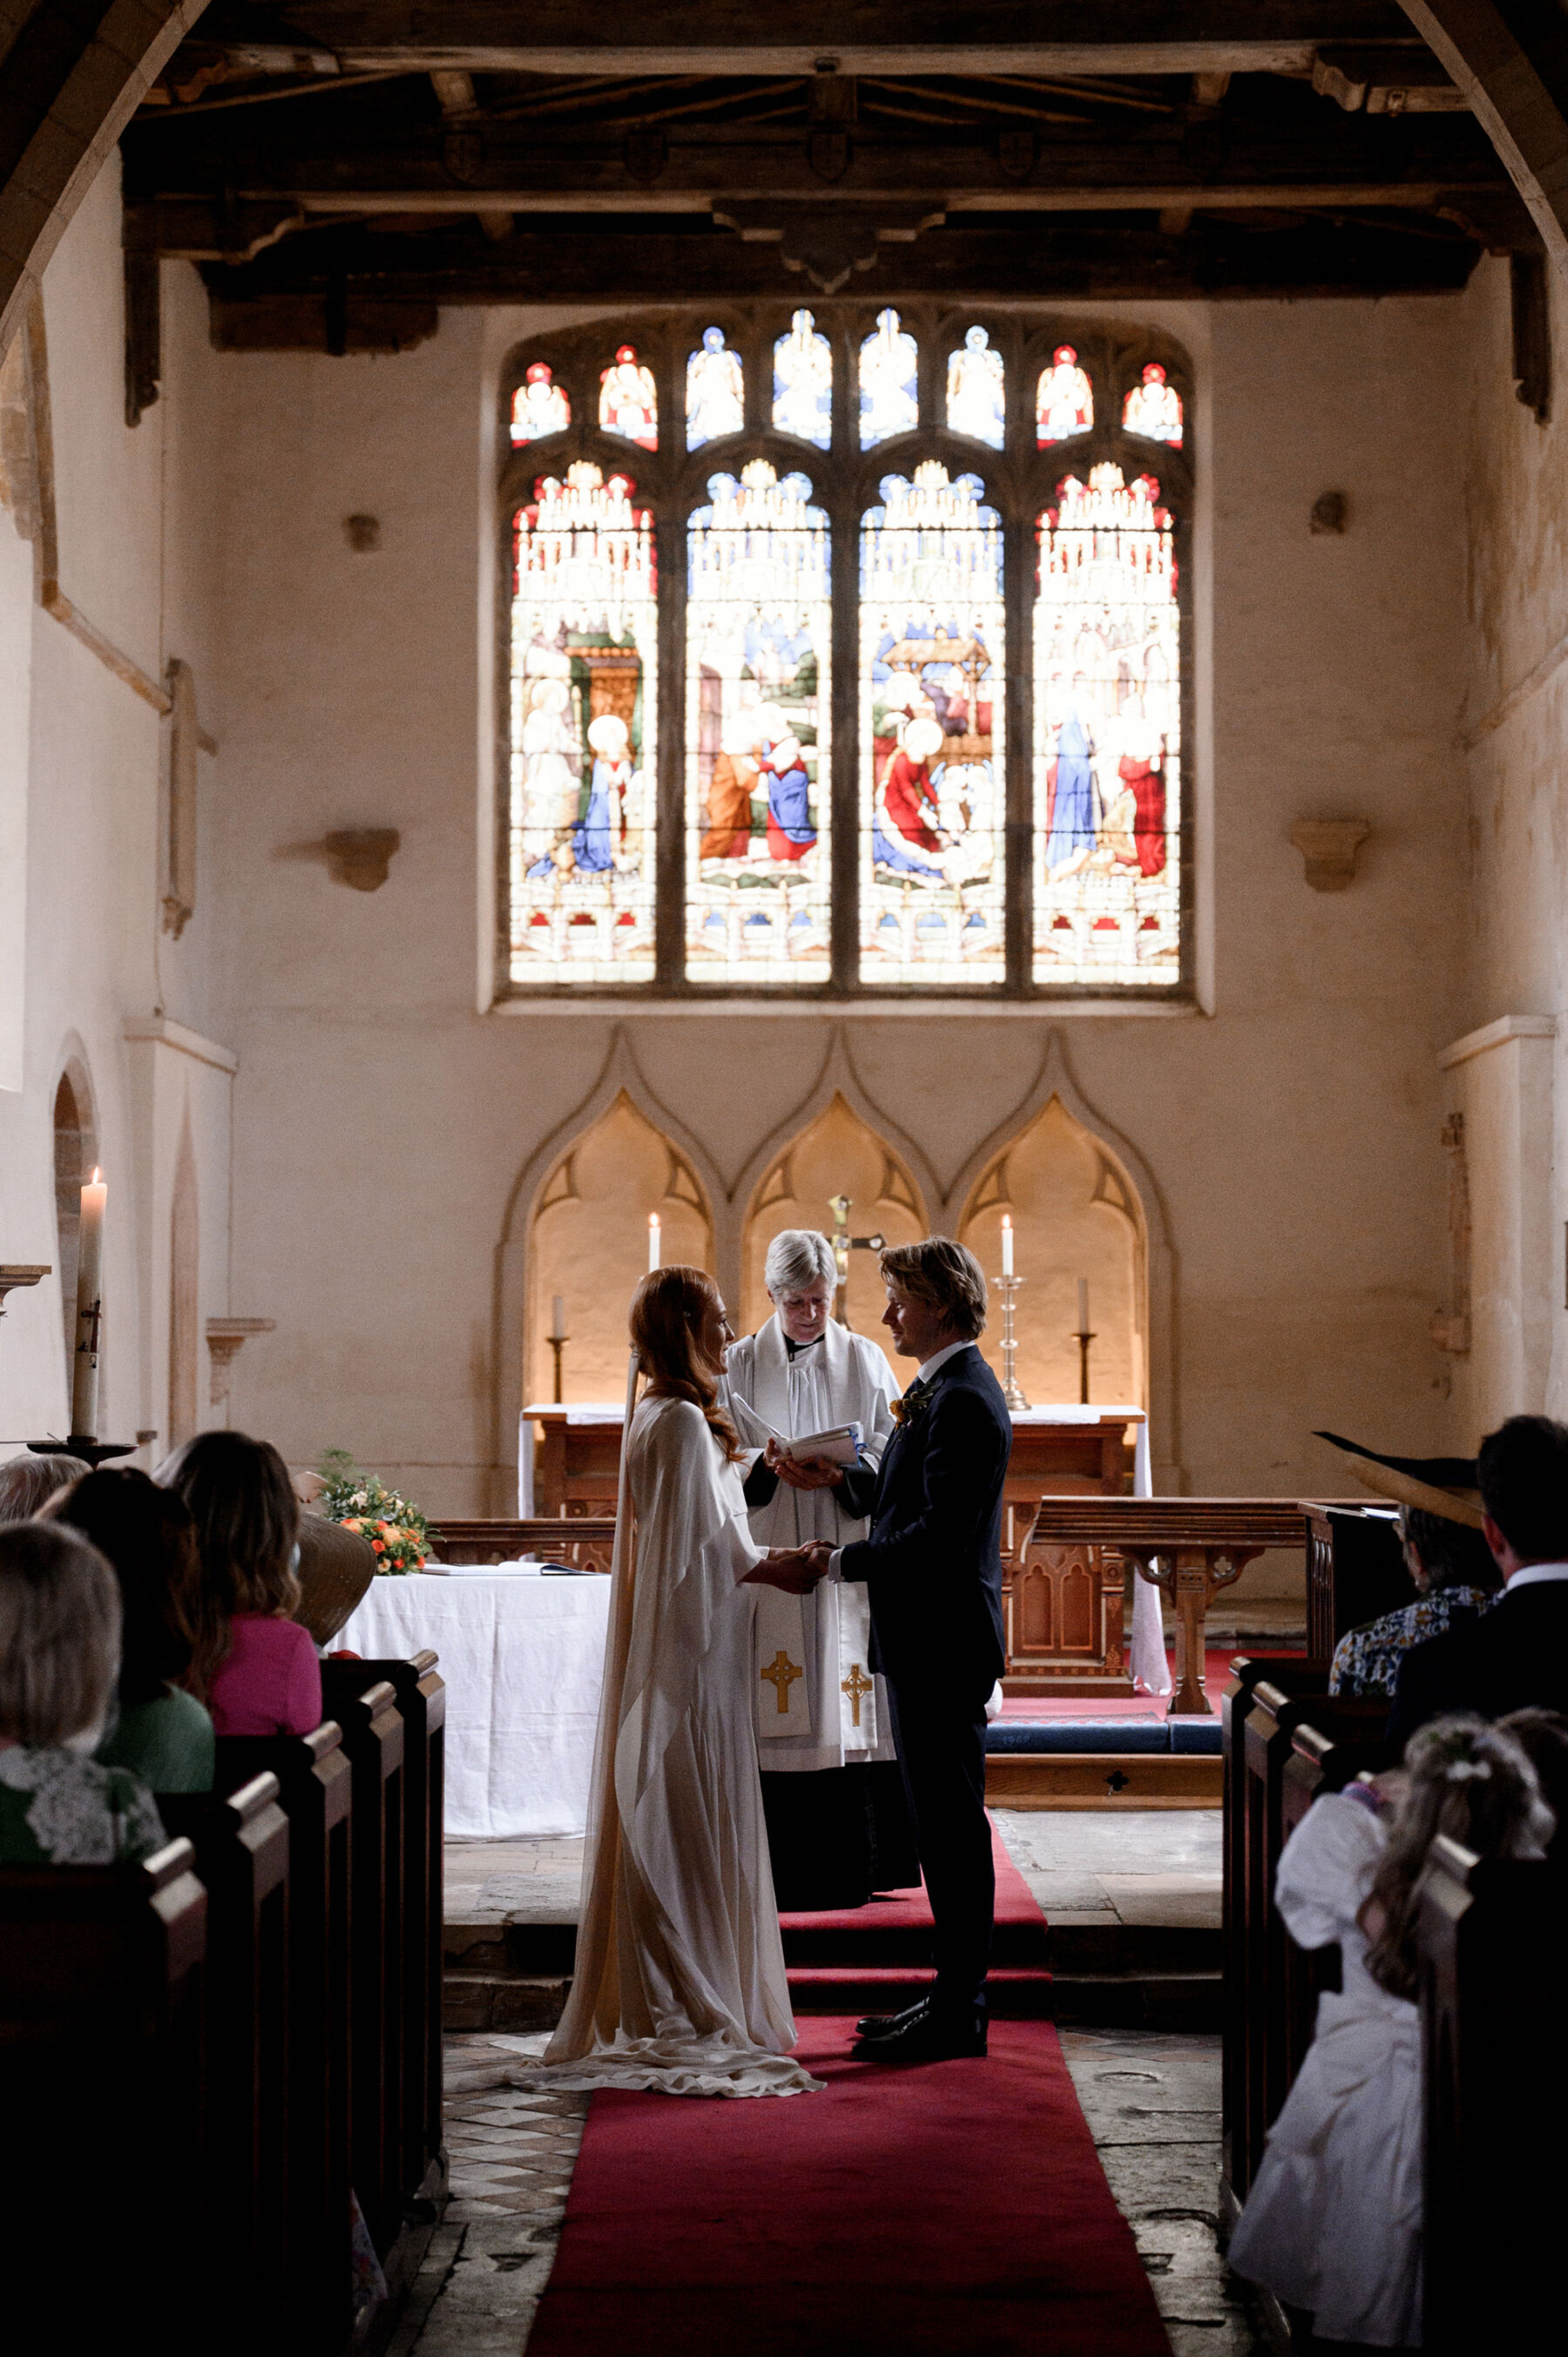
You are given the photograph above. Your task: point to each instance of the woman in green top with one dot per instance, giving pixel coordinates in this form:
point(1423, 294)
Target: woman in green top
point(161, 1732)
point(59, 1644)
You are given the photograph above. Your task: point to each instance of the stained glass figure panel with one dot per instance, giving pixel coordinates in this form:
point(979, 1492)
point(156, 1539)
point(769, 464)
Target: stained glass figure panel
point(1064, 399)
point(540, 406)
point(889, 388)
point(803, 383)
point(584, 706)
point(1153, 408)
point(715, 391)
point(932, 792)
point(1107, 871)
point(758, 644)
point(977, 401)
point(628, 401)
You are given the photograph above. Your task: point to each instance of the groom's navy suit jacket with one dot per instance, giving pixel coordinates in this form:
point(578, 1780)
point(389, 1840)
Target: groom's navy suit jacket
point(932, 1563)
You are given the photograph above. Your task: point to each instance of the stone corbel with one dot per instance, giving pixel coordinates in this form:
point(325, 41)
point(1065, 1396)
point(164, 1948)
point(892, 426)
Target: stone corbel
point(224, 1336)
point(1328, 847)
point(15, 1274)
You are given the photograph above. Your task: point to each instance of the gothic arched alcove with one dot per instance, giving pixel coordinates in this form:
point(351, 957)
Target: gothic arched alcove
point(588, 1243)
point(836, 1154)
point(1076, 1215)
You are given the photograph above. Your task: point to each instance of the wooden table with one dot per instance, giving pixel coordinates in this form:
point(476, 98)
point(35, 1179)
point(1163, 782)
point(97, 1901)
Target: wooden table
point(578, 1467)
point(1191, 1547)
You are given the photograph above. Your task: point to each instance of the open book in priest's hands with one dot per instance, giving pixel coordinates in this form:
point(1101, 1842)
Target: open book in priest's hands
point(839, 1446)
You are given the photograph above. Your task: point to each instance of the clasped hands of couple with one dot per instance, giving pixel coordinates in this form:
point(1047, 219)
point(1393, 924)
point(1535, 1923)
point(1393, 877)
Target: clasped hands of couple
point(797, 1570)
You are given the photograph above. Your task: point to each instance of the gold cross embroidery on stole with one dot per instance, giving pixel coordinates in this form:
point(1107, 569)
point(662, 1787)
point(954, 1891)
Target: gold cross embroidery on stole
point(782, 1674)
point(856, 1685)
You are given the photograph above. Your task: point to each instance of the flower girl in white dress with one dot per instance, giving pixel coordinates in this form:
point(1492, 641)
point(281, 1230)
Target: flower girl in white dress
point(1332, 2225)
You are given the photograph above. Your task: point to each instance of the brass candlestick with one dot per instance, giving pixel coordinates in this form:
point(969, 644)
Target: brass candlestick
point(1083, 1341)
point(1011, 1391)
point(558, 1343)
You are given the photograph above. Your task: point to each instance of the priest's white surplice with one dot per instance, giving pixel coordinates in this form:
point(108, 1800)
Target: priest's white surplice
point(817, 1703)
point(680, 1980)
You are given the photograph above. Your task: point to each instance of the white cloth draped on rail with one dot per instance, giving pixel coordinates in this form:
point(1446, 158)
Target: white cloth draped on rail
point(679, 1982)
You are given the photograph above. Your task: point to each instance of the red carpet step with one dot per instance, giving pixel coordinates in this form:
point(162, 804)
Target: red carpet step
point(954, 2210)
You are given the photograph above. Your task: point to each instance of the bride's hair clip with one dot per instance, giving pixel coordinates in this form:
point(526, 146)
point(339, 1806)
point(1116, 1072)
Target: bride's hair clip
point(1461, 1772)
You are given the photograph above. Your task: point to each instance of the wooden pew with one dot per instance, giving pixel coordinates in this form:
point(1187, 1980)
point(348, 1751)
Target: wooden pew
point(1355, 1571)
point(421, 1699)
point(1490, 1937)
point(314, 1789)
point(372, 1730)
point(101, 1985)
point(242, 1846)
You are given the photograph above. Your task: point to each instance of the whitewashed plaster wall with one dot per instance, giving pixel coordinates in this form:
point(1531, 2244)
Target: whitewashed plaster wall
point(135, 557)
point(1513, 731)
point(1292, 1135)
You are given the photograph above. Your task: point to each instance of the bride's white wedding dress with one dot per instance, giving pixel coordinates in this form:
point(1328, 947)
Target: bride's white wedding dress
point(679, 1979)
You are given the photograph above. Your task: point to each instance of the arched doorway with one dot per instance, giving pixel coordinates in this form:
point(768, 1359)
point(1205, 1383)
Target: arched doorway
point(1076, 1217)
point(588, 1246)
point(837, 1154)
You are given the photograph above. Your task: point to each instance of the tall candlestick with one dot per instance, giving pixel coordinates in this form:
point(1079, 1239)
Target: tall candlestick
point(1006, 1243)
point(655, 1238)
point(558, 1319)
point(89, 1308)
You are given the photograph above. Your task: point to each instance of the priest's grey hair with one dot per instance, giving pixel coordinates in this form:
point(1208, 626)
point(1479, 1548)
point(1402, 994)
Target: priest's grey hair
point(798, 1257)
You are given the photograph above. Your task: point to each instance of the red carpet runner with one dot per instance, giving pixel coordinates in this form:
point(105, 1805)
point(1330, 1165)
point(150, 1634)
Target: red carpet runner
point(954, 2210)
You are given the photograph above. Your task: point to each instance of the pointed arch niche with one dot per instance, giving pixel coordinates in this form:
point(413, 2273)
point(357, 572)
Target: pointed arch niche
point(1076, 1213)
point(589, 1242)
point(836, 1154)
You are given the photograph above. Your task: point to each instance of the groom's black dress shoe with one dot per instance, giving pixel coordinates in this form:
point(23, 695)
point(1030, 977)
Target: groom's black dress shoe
point(879, 2025)
point(931, 2037)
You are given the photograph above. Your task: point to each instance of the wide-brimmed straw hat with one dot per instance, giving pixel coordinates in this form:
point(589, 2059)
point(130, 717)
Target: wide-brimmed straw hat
point(1446, 1486)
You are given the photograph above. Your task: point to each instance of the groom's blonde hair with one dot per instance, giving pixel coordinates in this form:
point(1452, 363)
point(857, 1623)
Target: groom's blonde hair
point(943, 1274)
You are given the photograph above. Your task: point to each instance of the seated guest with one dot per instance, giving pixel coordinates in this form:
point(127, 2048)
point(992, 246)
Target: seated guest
point(1516, 1655)
point(1454, 1577)
point(1543, 1736)
point(1332, 2225)
point(147, 1537)
point(27, 1483)
point(256, 1666)
point(60, 1651)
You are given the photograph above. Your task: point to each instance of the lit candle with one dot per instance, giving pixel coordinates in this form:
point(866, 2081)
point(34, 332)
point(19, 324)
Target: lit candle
point(654, 1239)
point(1006, 1243)
point(89, 1267)
point(1083, 1305)
point(558, 1319)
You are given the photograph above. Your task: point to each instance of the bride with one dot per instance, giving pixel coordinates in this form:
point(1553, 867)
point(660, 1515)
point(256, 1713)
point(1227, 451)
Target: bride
point(679, 1980)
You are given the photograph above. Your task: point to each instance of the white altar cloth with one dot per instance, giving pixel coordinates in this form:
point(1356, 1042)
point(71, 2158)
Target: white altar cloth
point(522, 1657)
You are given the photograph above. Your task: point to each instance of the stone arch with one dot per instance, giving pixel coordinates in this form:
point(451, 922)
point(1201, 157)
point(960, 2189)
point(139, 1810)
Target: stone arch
point(835, 1153)
point(75, 1155)
point(1056, 1154)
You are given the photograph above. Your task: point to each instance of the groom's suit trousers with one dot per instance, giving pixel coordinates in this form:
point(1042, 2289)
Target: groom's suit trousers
point(941, 1751)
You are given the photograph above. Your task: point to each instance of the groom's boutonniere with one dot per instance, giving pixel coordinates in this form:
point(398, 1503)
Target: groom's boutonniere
point(914, 1401)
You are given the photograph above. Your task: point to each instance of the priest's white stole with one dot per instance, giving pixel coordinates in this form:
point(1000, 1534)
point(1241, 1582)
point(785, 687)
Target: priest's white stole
point(783, 1689)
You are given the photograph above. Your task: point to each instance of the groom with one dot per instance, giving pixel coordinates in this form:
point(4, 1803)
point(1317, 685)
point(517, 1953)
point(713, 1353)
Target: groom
point(933, 1568)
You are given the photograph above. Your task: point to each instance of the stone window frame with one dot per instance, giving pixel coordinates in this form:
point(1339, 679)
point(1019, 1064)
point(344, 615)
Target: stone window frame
point(1020, 484)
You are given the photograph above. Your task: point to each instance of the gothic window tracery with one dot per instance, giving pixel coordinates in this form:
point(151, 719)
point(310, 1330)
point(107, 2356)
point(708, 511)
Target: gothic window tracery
point(798, 716)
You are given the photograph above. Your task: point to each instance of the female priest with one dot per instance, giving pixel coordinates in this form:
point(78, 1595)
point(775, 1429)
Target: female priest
point(680, 1983)
point(838, 1825)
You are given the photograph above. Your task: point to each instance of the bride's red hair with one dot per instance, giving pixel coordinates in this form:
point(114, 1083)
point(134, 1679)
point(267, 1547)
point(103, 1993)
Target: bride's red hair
point(666, 1313)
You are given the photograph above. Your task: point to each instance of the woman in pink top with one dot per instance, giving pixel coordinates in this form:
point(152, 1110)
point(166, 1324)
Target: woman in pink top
point(255, 1667)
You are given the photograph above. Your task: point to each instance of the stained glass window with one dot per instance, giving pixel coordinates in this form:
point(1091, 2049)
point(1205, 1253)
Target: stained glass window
point(629, 405)
point(715, 391)
point(1153, 408)
point(1064, 399)
point(889, 391)
point(759, 641)
point(977, 403)
point(931, 733)
point(1107, 736)
point(803, 383)
point(584, 701)
point(540, 406)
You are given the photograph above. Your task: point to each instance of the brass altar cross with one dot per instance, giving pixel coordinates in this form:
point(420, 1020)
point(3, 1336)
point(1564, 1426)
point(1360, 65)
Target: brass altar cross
point(782, 1674)
point(856, 1685)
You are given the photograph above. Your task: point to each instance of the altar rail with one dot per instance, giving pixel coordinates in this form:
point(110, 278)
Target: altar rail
point(584, 1541)
point(1491, 1938)
point(202, 2055)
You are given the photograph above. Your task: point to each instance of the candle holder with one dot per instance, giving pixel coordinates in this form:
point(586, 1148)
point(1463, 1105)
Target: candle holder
point(1011, 1392)
point(558, 1343)
point(1083, 1340)
point(91, 1451)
